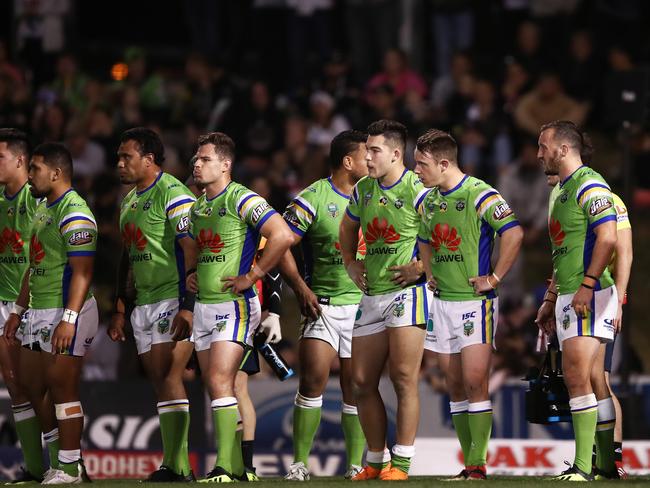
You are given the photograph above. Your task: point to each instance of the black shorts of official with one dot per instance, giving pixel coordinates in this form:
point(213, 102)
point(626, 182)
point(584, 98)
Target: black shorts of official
point(250, 363)
point(609, 354)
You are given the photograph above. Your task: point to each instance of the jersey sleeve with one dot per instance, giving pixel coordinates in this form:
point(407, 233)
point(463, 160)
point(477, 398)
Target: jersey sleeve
point(494, 210)
point(353, 210)
point(622, 217)
point(301, 212)
point(423, 233)
point(79, 231)
point(253, 209)
point(596, 201)
point(177, 209)
point(421, 195)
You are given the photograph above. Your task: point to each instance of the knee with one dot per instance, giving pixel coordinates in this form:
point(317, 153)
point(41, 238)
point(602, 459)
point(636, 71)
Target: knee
point(220, 385)
point(312, 386)
point(403, 381)
point(363, 386)
point(574, 378)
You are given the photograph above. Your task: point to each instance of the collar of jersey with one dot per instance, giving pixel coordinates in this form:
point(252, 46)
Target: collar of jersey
point(150, 186)
point(445, 193)
point(394, 184)
point(219, 194)
point(571, 175)
point(336, 190)
point(50, 205)
point(4, 192)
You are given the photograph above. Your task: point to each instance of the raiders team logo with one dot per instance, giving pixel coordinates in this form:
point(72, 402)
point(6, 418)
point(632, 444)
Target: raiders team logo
point(332, 209)
point(564, 197)
point(366, 199)
point(147, 205)
point(22, 209)
point(11, 211)
point(163, 326)
point(220, 326)
point(443, 206)
point(399, 203)
point(134, 205)
point(566, 322)
point(45, 333)
point(383, 201)
point(468, 328)
point(208, 211)
point(460, 206)
point(222, 211)
point(398, 311)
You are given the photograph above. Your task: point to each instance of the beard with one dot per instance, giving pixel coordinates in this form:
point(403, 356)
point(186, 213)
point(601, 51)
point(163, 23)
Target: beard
point(553, 166)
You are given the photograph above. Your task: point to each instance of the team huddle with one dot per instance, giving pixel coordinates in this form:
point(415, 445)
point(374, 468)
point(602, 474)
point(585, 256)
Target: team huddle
point(396, 261)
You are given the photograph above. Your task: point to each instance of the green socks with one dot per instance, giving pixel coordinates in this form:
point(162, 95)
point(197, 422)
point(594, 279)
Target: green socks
point(306, 419)
point(28, 429)
point(378, 459)
point(355, 441)
point(238, 466)
point(606, 419)
point(401, 458)
point(69, 461)
point(479, 421)
point(52, 441)
point(174, 418)
point(225, 414)
point(460, 419)
point(584, 413)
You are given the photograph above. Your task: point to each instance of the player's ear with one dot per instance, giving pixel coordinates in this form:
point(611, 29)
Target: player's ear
point(347, 163)
point(227, 165)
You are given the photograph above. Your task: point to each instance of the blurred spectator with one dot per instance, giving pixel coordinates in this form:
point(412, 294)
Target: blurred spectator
point(548, 102)
point(523, 185)
point(485, 144)
point(398, 75)
point(517, 81)
point(324, 123)
point(371, 30)
point(447, 83)
point(88, 157)
point(527, 50)
point(15, 107)
point(581, 71)
point(150, 88)
point(8, 68)
point(69, 83)
point(452, 25)
point(49, 122)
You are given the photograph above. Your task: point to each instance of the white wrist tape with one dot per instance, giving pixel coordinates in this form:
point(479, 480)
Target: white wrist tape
point(70, 316)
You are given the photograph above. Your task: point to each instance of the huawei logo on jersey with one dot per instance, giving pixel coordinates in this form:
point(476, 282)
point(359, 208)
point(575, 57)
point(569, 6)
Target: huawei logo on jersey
point(380, 229)
point(446, 236)
point(206, 239)
point(11, 240)
point(133, 236)
point(361, 245)
point(556, 232)
point(36, 252)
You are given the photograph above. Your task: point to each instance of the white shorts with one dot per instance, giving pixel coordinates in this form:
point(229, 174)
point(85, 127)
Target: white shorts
point(334, 326)
point(455, 325)
point(234, 321)
point(599, 323)
point(152, 323)
point(5, 311)
point(42, 322)
point(396, 309)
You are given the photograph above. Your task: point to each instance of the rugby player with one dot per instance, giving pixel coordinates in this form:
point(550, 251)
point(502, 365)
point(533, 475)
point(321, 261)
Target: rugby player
point(226, 223)
point(62, 311)
point(154, 222)
point(580, 305)
point(390, 323)
point(329, 303)
point(461, 217)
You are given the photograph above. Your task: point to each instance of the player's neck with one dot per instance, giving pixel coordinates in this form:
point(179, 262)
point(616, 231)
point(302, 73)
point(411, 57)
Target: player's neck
point(147, 181)
point(216, 187)
point(569, 168)
point(57, 191)
point(452, 180)
point(393, 175)
point(343, 181)
point(12, 187)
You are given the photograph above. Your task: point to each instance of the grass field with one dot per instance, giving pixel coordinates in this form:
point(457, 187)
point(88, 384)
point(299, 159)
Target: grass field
point(415, 482)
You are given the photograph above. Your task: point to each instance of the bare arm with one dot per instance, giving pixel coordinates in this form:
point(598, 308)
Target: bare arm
point(116, 328)
point(622, 268)
point(509, 247)
point(307, 300)
point(13, 321)
point(182, 324)
point(349, 239)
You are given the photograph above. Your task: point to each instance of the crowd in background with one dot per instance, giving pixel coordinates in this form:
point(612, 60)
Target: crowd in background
point(283, 77)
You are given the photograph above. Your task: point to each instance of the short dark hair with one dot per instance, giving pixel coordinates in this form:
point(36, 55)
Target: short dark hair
point(344, 144)
point(224, 146)
point(568, 132)
point(56, 155)
point(438, 143)
point(16, 140)
point(148, 141)
point(392, 131)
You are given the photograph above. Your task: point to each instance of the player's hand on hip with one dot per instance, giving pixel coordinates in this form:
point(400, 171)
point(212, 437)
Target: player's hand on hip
point(481, 284)
point(545, 319)
point(62, 337)
point(405, 274)
point(11, 326)
point(192, 283)
point(181, 325)
point(581, 302)
point(238, 284)
point(308, 301)
point(357, 273)
point(271, 327)
point(116, 328)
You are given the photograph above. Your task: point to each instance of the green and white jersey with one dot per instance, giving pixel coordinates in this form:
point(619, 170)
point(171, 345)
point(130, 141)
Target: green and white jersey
point(151, 222)
point(577, 206)
point(460, 225)
point(62, 229)
point(226, 229)
point(389, 218)
point(315, 215)
point(16, 216)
